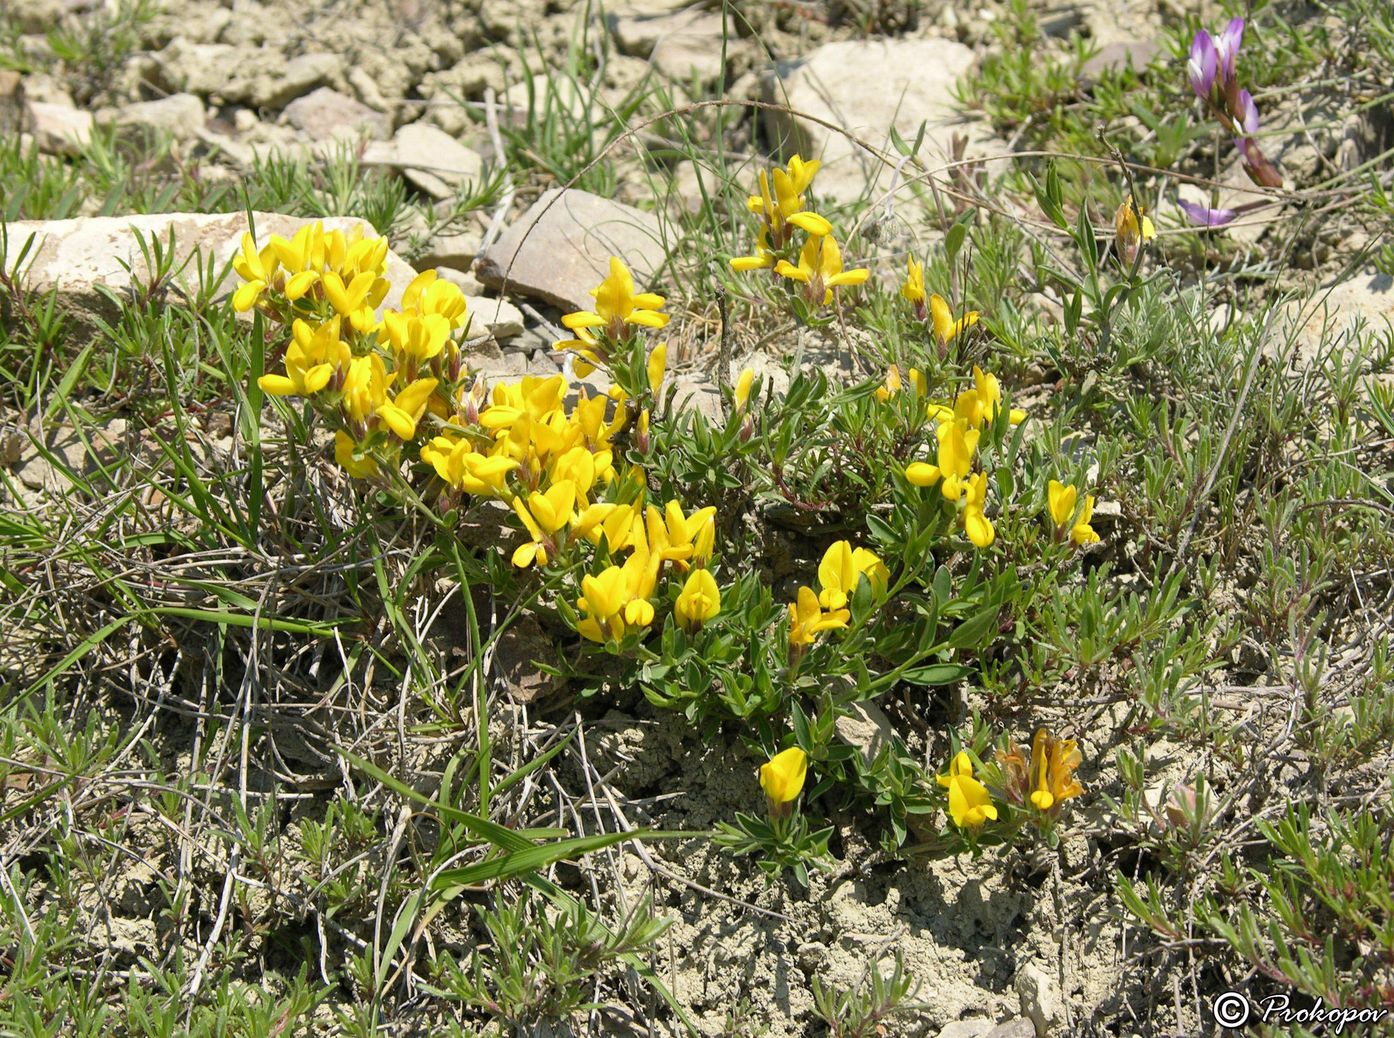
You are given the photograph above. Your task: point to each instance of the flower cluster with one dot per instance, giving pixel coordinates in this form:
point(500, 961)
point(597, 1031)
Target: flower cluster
point(1061, 500)
point(935, 309)
point(1043, 782)
point(372, 377)
point(817, 264)
point(1212, 70)
point(843, 568)
point(958, 428)
point(379, 380)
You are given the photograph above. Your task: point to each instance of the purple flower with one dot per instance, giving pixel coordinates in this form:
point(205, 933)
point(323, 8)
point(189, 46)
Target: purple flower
point(1202, 64)
point(1203, 216)
point(1227, 48)
point(1246, 119)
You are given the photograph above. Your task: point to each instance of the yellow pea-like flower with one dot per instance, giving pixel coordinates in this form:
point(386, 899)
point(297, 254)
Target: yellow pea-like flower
point(782, 777)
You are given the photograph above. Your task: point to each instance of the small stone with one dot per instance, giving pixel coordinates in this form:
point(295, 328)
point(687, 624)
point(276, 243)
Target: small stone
point(179, 115)
point(693, 391)
point(1116, 57)
point(1040, 999)
point(79, 258)
point(11, 102)
point(866, 728)
point(1018, 1028)
point(456, 249)
point(498, 317)
point(59, 129)
point(434, 161)
point(517, 652)
point(560, 248)
point(298, 76)
point(974, 1028)
point(366, 87)
point(681, 45)
point(866, 87)
point(325, 114)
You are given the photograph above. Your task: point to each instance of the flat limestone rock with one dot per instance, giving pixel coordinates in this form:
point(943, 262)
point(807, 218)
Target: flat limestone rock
point(866, 87)
point(325, 114)
point(1365, 302)
point(77, 257)
point(429, 158)
point(560, 248)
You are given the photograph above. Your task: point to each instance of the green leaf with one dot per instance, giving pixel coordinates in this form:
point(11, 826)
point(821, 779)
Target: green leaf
point(973, 631)
point(935, 674)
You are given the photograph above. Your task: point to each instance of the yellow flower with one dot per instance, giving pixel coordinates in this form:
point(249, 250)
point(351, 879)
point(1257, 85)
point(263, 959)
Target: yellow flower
point(1127, 230)
point(807, 619)
point(969, 803)
point(742, 392)
point(946, 329)
point(975, 523)
point(820, 268)
point(1082, 533)
point(456, 462)
point(761, 259)
point(618, 305)
point(365, 388)
point(312, 357)
point(841, 570)
point(603, 598)
point(415, 335)
point(782, 776)
point(658, 363)
point(256, 269)
point(404, 410)
point(346, 454)
point(780, 211)
point(957, 444)
point(543, 516)
point(671, 535)
point(912, 291)
point(1061, 499)
point(431, 296)
point(891, 386)
point(699, 601)
point(989, 393)
point(1053, 764)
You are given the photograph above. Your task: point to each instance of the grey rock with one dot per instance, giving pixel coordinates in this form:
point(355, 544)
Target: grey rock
point(866, 87)
point(692, 391)
point(429, 158)
point(560, 249)
point(1041, 1002)
point(12, 115)
point(58, 129)
point(975, 1028)
point(324, 114)
point(498, 317)
point(1018, 1028)
point(456, 249)
point(180, 115)
point(298, 76)
point(77, 258)
point(515, 651)
point(261, 77)
point(866, 728)
point(1123, 54)
point(1328, 320)
point(681, 44)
